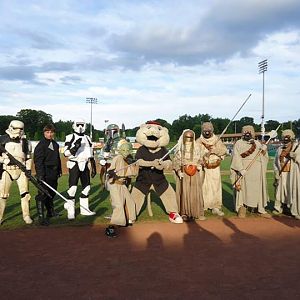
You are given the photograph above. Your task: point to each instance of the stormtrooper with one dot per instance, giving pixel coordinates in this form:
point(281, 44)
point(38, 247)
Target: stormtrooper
point(16, 144)
point(78, 149)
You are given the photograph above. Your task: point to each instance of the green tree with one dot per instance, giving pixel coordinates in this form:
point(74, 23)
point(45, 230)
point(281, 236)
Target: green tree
point(220, 124)
point(271, 125)
point(34, 120)
point(243, 122)
point(197, 130)
point(4, 122)
point(96, 136)
point(63, 128)
point(296, 127)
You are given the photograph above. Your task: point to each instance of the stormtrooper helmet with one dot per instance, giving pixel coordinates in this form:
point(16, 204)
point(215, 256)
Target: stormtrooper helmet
point(79, 126)
point(15, 129)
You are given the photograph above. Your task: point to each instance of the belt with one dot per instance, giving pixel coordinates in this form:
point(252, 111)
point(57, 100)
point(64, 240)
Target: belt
point(12, 167)
point(120, 182)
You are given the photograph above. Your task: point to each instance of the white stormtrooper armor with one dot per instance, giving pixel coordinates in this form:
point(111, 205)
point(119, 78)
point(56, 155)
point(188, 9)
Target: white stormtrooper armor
point(15, 142)
point(78, 149)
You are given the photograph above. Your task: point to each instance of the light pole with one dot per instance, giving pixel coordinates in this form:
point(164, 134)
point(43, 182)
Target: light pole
point(91, 101)
point(263, 66)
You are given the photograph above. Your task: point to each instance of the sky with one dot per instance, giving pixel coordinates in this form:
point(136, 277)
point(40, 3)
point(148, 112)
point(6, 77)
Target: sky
point(144, 60)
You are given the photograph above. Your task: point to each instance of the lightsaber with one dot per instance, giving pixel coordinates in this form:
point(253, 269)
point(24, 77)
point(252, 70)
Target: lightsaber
point(57, 193)
point(54, 190)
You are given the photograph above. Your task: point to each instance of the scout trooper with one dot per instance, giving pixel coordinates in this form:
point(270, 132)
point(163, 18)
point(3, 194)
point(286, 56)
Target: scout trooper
point(78, 149)
point(15, 142)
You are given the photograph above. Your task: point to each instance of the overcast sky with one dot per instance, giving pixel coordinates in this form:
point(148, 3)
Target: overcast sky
point(144, 60)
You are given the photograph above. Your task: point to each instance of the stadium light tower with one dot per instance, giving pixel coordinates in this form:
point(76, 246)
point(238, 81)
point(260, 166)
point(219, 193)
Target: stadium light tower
point(91, 101)
point(262, 67)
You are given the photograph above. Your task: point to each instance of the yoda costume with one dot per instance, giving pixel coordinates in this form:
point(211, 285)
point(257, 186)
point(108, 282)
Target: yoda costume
point(250, 160)
point(287, 175)
point(188, 182)
point(121, 200)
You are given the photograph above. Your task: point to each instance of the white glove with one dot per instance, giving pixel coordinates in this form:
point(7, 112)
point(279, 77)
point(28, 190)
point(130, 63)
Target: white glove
point(102, 162)
point(277, 177)
point(292, 154)
point(180, 174)
point(6, 161)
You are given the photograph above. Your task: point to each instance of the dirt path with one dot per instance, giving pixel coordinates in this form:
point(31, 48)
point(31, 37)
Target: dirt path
point(216, 259)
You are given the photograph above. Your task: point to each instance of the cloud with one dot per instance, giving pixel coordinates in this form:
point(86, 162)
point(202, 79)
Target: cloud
point(227, 28)
point(149, 59)
point(39, 40)
point(71, 79)
point(23, 73)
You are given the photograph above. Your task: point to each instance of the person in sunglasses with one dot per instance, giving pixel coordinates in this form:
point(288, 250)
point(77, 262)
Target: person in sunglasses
point(78, 149)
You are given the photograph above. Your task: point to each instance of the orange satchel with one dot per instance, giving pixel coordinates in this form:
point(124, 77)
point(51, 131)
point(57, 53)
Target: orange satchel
point(190, 170)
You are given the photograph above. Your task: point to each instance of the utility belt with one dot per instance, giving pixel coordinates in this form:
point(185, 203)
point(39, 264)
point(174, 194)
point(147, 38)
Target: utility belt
point(10, 167)
point(79, 161)
point(120, 182)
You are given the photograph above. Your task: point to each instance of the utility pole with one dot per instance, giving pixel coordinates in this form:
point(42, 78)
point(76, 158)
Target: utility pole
point(263, 66)
point(91, 101)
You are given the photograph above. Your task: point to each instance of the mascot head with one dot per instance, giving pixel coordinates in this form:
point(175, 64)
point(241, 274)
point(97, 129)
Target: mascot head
point(15, 129)
point(152, 135)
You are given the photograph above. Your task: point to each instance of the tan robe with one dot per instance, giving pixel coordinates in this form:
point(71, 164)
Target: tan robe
point(189, 188)
point(211, 173)
point(253, 191)
point(288, 189)
point(119, 193)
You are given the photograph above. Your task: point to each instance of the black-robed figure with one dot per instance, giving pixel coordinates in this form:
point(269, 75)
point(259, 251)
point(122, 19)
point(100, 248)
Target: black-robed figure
point(48, 168)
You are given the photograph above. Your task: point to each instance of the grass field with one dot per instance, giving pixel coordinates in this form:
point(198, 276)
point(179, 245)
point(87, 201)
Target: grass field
point(99, 202)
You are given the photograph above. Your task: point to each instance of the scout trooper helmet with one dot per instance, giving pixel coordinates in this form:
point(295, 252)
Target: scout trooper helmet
point(15, 129)
point(79, 126)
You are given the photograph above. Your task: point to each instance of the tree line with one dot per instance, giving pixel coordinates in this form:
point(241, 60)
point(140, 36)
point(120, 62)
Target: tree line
point(35, 120)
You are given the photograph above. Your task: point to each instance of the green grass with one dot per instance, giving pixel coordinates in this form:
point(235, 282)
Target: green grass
point(100, 203)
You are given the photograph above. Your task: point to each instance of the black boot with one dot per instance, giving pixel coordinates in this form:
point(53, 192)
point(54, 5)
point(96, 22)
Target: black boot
point(50, 210)
point(41, 215)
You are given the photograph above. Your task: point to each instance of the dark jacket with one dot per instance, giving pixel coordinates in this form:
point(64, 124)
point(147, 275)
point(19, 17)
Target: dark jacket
point(47, 159)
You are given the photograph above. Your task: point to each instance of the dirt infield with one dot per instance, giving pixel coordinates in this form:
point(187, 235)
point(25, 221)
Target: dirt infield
point(216, 259)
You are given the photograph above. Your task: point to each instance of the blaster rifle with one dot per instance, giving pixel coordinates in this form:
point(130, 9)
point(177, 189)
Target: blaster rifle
point(22, 167)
